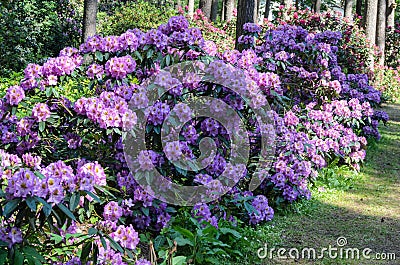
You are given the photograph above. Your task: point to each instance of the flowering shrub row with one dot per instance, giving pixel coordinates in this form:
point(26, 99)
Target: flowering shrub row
point(65, 178)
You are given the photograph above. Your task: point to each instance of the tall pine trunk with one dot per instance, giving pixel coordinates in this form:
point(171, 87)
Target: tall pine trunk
point(191, 8)
point(391, 7)
point(267, 8)
point(317, 6)
point(205, 6)
point(223, 11)
point(359, 8)
point(229, 6)
point(245, 14)
point(371, 14)
point(348, 9)
point(214, 10)
point(89, 19)
point(381, 30)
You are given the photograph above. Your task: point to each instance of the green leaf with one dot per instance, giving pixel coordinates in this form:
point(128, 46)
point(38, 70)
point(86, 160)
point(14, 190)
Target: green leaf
point(183, 241)
point(146, 211)
point(31, 203)
point(92, 231)
point(74, 201)
point(46, 207)
point(30, 251)
point(57, 238)
point(63, 208)
point(95, 253)
point(18, 258)
point(139, 56)
point(179, 260)
point(86, 250)
point(42, 126)
point(39, 175)
point(115, 245)
point(249, 208)
point(10, 207)
point(3, 257)
point(225, 230)
point(184, 232)
point(93, 196)
point(99, 56)
point(103, 242)
point(149, 53)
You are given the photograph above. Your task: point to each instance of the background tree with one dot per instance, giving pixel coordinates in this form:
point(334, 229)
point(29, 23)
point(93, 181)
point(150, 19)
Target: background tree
point(191, 8)
point(390, 12)
point(214, 10)
point(245, 14)
point(359, 6)
point(205, 6)
point(287, 3)
point(267, 8)
point(381, 30)
point(348, 9)
point(229, 6)
point(89, 19)
point(371, 13)
point(317, 6)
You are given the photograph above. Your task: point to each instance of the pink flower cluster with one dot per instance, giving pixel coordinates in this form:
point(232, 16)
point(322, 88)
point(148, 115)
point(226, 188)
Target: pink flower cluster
point(119, 67)
point(41, 112)
point(108, 110)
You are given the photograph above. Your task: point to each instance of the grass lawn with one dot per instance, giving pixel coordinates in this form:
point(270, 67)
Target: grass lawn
point(366, 211)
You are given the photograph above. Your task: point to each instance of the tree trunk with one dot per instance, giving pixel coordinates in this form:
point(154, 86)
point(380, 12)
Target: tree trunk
point(205, 6)
point(390, 13)
point(223, 11)
point(267, 8)
point(359, 8)
point(287, 3)
point(381, 30)
point(317, 6)
point(348, 9)
point(89, 19)
point(229, 6)
point(214, 10)
point(191, 8)
point(371, 14)
point(245, 14)
point(257, 11)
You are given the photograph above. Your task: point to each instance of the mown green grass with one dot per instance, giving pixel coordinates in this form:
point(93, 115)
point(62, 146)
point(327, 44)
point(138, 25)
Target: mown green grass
point(365, 210)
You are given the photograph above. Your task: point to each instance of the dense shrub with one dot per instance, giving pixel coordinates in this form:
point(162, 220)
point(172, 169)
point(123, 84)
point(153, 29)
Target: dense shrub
point(138, 14)
point(387, 80)
point(392, 48)
point(354, 47)
point(67, 188)
point(223, 33)
point(33, 30)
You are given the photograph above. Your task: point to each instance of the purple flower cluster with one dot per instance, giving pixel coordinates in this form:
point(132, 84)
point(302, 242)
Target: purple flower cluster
point(59, 178)
point(126, 236)
point(120, 67)
point(263, 212)
point(107, 110)
point(41, 112)
point(10, 235)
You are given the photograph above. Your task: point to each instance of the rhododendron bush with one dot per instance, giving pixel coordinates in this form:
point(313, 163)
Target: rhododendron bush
point(68, 194)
